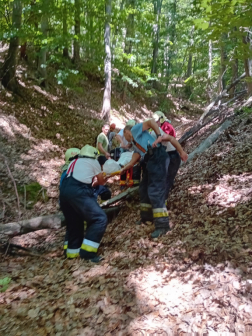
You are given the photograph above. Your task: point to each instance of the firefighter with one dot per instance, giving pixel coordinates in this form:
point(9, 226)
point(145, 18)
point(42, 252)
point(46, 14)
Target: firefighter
point(175, 159)
point(79, 204)
point(133, 175)
point(164, 123)
point(152, 186)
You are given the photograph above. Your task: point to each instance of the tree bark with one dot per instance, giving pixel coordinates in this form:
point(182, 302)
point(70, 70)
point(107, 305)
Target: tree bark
point(248, 63)
point(107, 65)
point(65, 31)
point(223, 57)
point(171, 38)
point(8, 71)
point(220, 96)
point(120, 197)
point(44, 222)
point(210, 140)
point(130, 33)
point(76, 56)
point(43, 50)
point(156, 29)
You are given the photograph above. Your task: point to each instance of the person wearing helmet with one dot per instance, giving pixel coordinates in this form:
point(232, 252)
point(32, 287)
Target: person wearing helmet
point(175, 159)
point(79, 204)
point(164, 123)
point(152, 186)
point(102, 144)
point(69, 156)
point(99, 190)
point(133, 174)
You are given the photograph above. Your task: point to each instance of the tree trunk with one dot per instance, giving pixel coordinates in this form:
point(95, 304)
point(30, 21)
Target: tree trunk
point(156, 29)
point(223, 57)
point(23, 54)
point(107, 65)
point(171, 38)
point(65, 31)
point(8, 70)
point(248, 63)
point(130, 33)
point(210, 140)
point(45, 222)
point(43, 50)
point(76, 56)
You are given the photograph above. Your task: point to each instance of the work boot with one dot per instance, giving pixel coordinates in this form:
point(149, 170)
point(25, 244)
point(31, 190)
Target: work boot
point(96, 259)
point(159, 232)
point(139, 222)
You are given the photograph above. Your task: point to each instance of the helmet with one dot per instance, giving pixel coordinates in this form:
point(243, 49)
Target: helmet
point(131, 122)
point(89, 151)
point(71, 152)
point(160, 116)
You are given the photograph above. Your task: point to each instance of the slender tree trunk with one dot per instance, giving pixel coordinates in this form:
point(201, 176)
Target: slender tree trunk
point(210, 60)
point(65, 31)
point(8, 70)
point(76, 56)
point(171, 38)
point(130, 33)
point(43, 50)
point(156, 29)
point(248, 63)
point(107, 64)
point(223, 57)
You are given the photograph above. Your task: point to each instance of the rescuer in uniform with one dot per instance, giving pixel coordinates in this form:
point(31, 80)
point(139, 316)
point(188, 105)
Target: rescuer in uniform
point(79, 204)
point(153, 184)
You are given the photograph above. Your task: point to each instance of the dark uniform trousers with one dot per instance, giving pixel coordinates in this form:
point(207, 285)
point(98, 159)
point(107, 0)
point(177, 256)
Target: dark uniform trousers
point(152, 188)
point(174, 165)
point(79, 204)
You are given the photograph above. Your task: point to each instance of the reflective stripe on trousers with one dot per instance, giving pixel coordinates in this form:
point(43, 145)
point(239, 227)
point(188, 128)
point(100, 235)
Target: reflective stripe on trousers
point(73, 253)
point(160, 212)
point(89, 245)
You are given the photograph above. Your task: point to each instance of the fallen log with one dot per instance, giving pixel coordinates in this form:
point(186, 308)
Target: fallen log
point(220, 96)
point(198, 126)
point(120, 197)
point(210, 140)
point(55, 221)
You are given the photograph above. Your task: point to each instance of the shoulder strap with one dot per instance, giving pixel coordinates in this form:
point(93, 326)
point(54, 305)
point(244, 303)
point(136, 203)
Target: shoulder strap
point(139, 146)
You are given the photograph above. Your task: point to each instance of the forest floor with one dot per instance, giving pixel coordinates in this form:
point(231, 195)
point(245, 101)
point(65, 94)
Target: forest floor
point(195, 279)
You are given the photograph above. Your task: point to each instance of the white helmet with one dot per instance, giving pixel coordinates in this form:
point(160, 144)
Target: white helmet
point(89, 151)
point(160, 116)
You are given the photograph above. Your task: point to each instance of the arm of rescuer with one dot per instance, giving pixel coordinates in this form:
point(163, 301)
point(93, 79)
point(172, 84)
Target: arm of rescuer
point(99, 180)
point(120, 140)
point(102, 150)
point(174, 142)
point(135, 158)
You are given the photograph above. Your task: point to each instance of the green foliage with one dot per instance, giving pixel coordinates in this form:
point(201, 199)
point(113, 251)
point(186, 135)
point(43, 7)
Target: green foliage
point(185, 28)
point(32, 193)
point(4, 284)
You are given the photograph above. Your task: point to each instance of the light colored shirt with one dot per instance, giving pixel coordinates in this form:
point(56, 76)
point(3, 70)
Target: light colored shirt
point(167, 144)
point(143, 138)
point(104, 142)
point(84, 169)
point(125, 142)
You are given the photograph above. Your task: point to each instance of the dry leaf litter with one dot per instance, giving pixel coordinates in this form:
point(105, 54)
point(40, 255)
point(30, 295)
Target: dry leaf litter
point(197, 279)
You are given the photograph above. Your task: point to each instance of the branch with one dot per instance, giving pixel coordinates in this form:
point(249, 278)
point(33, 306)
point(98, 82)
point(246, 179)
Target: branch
point(15, 186)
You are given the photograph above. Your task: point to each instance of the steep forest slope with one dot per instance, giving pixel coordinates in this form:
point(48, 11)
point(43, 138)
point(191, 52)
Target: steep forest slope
point(197, 278)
